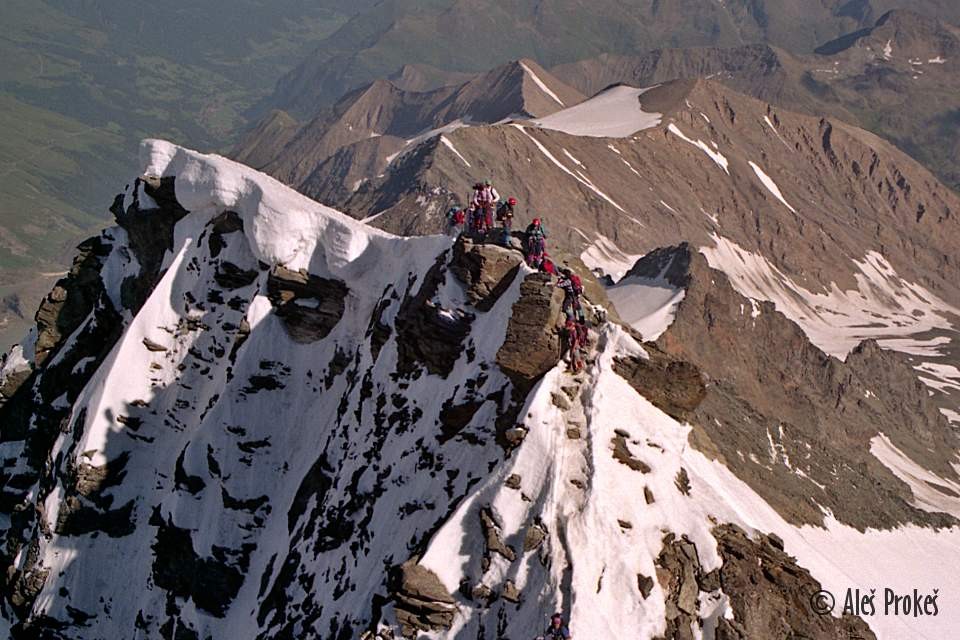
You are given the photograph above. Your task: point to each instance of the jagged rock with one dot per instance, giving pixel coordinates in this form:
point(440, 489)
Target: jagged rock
point(560, 401)
point(622, 455)
point(153, 346)
point(648, 495)
point(674, 386)
point(487, 270)
point(573, 433)
point(491, 534)
point(678, 568)
point(427, 333)
point(513, 482)
point(510, 592)
point(645, 584)
point(309, 306)
point(454, 418)
point(532, 343)
point(150, 234)
point(226, 223)
point(211, 582)
point(230, 276)
point(422, 602)
point(534, 537)
point(515, 436)
point(770, 594)
point(625, 524)
point(682, 481)
point(71, 300)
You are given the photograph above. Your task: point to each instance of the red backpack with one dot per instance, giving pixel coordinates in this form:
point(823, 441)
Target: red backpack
point(459, 217)
point(577, 284)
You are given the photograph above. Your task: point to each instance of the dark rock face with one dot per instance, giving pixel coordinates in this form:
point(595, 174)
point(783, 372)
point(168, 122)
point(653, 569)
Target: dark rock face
point(428, 334)
point(486, 270)
point(674, 386)
point(151, 235)
point(77, 309)
point(532, 344)
point(309, 306)
point(767, 382)
point(422, 602)
point(771, 596)
point(211, 582)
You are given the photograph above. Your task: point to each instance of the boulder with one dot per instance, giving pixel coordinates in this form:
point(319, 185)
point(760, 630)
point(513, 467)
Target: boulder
point(487, 270)
point(422, 603)
point(674, 386)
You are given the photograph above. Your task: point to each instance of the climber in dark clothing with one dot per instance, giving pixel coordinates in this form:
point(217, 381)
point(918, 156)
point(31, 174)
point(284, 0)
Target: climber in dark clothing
point(505, 217)
point(535, 242)
point(557, 630)
point(572, 290)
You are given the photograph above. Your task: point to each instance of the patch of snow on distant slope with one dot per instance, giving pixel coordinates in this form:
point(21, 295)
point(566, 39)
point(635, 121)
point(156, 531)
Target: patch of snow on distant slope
point(606, 257)
point(450, 146)
point(888, 50)
point(922, 482)
point(884, 306)
point(649, 305)
point(770, 185)
point(716, 156)
point(942, 377)
point(952, 416)
point(543, 86)
point(937, 60)
point(614, 113)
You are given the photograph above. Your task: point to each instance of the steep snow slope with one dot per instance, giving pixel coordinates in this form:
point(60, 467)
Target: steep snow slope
point(303, 403)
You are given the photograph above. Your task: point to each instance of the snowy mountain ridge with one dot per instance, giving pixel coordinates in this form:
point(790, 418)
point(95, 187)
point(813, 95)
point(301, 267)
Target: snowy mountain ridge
point(307, 427)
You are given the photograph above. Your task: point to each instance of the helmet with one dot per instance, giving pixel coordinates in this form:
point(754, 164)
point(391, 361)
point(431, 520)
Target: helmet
point(536, 221)
point(453, 210)
point(487, 182)
point(556, 616)
point(512, 202)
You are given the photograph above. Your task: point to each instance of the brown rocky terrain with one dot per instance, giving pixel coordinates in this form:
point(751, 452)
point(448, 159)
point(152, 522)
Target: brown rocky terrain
point(373, 123)
point(907, 94)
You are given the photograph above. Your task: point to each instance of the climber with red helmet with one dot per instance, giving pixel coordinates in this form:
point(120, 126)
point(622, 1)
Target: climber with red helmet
point(557, 630)
point(505, 217)
point(535, 243)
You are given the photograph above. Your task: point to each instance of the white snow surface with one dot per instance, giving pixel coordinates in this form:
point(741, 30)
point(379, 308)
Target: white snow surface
point(613, 113)
point(713, 154)
point(770, 185)
point(884, 306)
point(605, 257)
point(347, 472)
point(649, 305)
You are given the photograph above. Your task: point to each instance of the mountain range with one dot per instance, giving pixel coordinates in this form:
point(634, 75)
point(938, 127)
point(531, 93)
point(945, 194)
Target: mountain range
point(246, 414)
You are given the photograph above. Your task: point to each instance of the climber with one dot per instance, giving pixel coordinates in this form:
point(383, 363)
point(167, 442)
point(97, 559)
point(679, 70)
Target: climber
point(475, 220)
point(505, 217)
point(557, 630)
point(572, 344)
point(485, 197)
point(572, 290)
point(583, 332)
point(535, 243)
point(455, 220)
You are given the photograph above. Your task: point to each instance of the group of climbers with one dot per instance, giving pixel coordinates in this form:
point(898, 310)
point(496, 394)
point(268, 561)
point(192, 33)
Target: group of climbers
point(477, 221)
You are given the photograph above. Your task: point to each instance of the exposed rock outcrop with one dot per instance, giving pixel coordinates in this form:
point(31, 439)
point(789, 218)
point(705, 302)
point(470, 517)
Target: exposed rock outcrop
point(309, 306)
point(422, 603)
point(486, 270)
point(674, 386)
point(532, 343)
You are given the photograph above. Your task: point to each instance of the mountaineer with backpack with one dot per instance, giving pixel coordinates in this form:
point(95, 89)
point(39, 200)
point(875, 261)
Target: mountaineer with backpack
point(485, 197)
point(572, 290)
point(535, 244)
point(456, 218)
point(505, 217)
